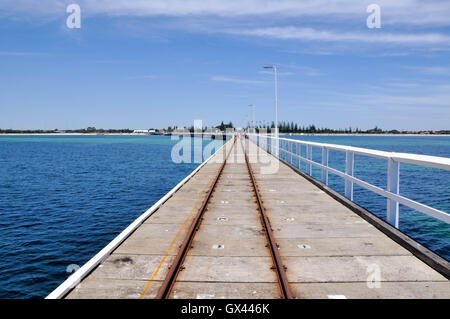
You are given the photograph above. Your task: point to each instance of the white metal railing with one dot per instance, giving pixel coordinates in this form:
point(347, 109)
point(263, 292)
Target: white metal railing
point(391, 193)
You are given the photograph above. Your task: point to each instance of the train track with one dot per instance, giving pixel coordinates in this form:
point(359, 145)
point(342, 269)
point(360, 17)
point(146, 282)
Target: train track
point(178, 264)
point(278, 266)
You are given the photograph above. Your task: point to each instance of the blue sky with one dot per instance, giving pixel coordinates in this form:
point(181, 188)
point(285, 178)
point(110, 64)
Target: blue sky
point(142, 64)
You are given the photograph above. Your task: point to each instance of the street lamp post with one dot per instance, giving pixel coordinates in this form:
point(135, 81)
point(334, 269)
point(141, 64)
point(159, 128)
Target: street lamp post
point(274, 67)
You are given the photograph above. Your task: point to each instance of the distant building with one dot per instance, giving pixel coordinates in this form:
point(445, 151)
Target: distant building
point(143, 131)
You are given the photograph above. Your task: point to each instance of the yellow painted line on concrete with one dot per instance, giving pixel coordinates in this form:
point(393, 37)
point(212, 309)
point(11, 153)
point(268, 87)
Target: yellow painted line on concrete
point(175, 238)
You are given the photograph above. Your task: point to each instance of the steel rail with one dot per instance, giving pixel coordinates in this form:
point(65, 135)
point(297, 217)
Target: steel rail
point(177, 264)
point(70, 283)
point(280, 269)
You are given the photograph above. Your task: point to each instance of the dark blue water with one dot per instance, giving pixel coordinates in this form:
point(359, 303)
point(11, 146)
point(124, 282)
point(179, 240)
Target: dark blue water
point(62, 199)
point(426, 185)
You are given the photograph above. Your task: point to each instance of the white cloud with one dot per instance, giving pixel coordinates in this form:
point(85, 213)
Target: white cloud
point(310, 34)
point(425, 102)
point(399, 11)
point(305, 70)
point(404, 22)
point(439, 100)
point(409, 12)
point(430, 70)
point(279, 73)
point(219, 78)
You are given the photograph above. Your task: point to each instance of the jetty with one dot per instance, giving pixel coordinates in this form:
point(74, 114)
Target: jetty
point(249, 224)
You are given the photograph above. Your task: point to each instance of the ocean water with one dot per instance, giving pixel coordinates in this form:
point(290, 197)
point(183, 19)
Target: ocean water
point(428, 186)
point(63, 198)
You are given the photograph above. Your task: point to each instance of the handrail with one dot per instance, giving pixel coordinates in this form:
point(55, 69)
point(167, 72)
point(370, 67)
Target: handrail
point(392, 193)
point(416, 159)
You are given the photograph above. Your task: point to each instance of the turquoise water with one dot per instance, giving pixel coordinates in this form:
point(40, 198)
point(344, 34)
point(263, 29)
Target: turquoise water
point(63, 198)
point(426, 185)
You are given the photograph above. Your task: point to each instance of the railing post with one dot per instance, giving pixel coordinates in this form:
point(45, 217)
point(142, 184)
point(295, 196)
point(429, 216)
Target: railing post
point(286, 147)
point(280, 146)
point(269, 144)
point(324, 163)
point(393, 186)
point(309, 156)
point(277, 147)
point(272, 145)
point(349, 165)
point(298, 151)
point(291, 148)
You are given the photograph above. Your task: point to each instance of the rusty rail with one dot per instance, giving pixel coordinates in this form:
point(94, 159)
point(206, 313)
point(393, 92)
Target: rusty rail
point(177, 265)
point(279, 268)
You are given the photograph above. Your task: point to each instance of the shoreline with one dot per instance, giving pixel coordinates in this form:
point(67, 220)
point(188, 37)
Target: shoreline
point(143, 134)
point(71, 134)
point(362, 134)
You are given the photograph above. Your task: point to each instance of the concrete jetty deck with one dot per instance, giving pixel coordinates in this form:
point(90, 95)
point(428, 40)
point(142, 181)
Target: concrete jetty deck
point(329, 251)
